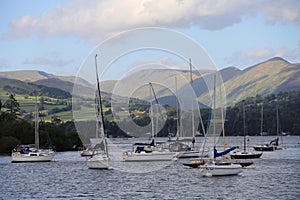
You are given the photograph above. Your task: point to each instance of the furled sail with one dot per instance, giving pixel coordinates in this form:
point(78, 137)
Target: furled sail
point(218, 154)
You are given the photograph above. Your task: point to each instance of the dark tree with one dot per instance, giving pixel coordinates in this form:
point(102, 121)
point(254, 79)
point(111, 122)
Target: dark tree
point(12, 105)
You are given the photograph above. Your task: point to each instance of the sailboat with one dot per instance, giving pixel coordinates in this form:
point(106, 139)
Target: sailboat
point(99, 158)
point(144, 152)
point(219, 167)
point(275, 142)
point(263, 147)
point(245, 154)
point(180, 145)
point(32, 152)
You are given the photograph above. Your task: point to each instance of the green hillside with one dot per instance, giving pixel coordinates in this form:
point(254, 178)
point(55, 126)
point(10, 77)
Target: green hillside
point(273, 76)
point(52, 101)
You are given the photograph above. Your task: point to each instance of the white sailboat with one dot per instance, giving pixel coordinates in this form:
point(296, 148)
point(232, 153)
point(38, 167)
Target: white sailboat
point(263, 147)
point(219, 167)
point(99, 158)
point(182, 145)
point(147, 153)
point(143, 152)
point(32, 152)
point(279, 133)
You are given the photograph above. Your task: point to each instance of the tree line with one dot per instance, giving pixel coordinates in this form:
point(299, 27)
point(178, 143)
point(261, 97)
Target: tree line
point(287, 104)
point(15, 129)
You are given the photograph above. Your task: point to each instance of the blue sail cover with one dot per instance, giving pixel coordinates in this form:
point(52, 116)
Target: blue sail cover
point(218, 154)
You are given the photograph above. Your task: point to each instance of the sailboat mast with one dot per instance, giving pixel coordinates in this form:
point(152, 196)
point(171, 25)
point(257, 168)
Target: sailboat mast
point(193, 120)
point(261, 119)
point(244, 123)
point(191, 73)
point(36, 129)
point(177, 105)
point(277, 120)
point(214, 110)
point(100, 98)
point(151, 107)
point(100, 109)
point(222, 114)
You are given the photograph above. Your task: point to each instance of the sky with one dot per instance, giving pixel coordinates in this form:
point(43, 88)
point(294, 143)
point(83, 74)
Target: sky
point(56, 36)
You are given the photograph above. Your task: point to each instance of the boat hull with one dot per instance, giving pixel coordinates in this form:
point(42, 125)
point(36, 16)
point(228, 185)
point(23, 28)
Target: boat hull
point(244, 164)
point(98, 162)
point(189, 154)
point(245, 155)
point(146, 157)
point(31, 157)
point(220, 170)
point(264, 148)
point(194, 164)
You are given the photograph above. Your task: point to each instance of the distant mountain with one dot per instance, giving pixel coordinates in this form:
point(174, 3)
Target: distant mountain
point(24, 88)
point(229, 73)
point(26, 75)
point(271, 76)
point(64, 83)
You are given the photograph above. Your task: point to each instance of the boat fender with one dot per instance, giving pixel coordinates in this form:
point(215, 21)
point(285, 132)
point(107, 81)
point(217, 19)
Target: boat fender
point(208, 174)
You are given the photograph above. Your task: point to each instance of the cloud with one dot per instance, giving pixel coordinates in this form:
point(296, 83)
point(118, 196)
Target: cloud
point(22, 28)
point(281, 11)
point(266, 53)
point(45, 61)
point(95, 20)
point(257, 55)
point(98, 19)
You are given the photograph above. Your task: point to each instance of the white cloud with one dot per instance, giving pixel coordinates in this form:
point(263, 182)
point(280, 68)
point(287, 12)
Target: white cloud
point(22, 28)
point(258, 54)
point(281, 11)
point(266, 53)
point(45, 61)
point(95, 20)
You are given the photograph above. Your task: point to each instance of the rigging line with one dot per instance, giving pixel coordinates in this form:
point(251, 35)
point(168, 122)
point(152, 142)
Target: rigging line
point(156, 100)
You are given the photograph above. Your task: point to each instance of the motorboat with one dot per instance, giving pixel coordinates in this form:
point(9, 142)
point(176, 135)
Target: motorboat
point(28, 153)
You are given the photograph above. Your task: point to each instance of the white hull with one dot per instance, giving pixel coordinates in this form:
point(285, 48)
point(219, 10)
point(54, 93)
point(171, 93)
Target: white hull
point(190, 154)
point(39, 156)
point(98, 162)
point(146, 157)
point(212, 169)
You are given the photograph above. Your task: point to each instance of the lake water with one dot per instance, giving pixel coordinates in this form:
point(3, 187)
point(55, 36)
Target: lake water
point(276, 175)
